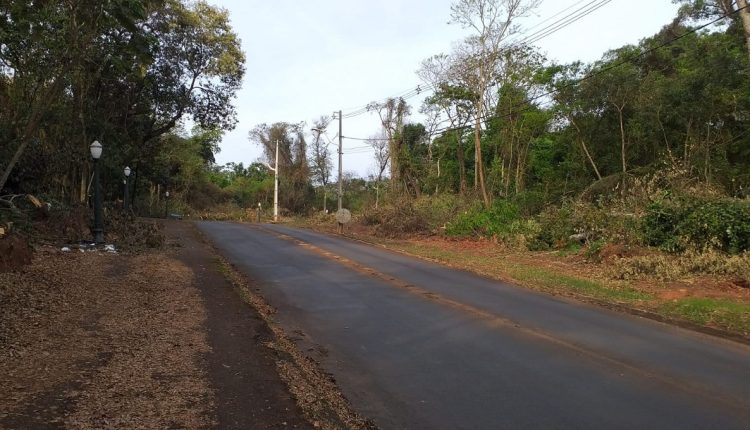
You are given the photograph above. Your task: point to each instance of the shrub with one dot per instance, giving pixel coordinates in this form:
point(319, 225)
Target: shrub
point(502, 222)
point(396, 218)
point(530, 203)
point(594, 221)
point(556, 226)
point(477, 221)
point(676, 225)
point(667, 267)
point(594, 249)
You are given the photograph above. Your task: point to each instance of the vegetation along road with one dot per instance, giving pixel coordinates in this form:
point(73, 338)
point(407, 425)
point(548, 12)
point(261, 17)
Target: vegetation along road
point(416, 345)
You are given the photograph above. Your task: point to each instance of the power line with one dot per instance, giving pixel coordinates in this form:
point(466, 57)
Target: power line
point(554, 15)
point(555, 26)
point(599, 72)
point(587, 77)
point(420, 88)
point(565, 21)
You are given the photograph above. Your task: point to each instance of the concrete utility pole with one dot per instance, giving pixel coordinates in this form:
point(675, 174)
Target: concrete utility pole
point(276, 186)
point(275, 170)
point(341, 170)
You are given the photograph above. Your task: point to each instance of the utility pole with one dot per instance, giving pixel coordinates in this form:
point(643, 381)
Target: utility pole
point(341, 170)
point(276, 186)
point(275, 170)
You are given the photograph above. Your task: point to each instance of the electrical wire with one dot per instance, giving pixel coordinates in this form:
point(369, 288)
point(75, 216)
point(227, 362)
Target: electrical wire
point(598, 72)
point(420, 88)
point(565, 21)
point(534, 37)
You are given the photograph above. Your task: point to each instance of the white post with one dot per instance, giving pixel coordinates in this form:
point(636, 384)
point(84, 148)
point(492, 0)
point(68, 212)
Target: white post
point(276, 186)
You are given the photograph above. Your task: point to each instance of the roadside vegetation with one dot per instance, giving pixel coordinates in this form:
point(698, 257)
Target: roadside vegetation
point(635, 166)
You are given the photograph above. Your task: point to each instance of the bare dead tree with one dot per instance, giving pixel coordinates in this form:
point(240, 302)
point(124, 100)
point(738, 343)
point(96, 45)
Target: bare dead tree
point(380, 143)
point(492, 23)
point(393, 113)
point(320, 156)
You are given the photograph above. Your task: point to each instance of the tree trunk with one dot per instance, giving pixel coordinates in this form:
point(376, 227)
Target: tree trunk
point(461, 165)
point(38, 109)
point(586, 150)
point(745, 17)
point(622, 136)
point(622, 146)
point(84, 187)
point(479, 168)
point(707, 162)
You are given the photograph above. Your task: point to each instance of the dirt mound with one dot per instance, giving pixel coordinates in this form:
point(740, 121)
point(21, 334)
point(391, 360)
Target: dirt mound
point(15, 253)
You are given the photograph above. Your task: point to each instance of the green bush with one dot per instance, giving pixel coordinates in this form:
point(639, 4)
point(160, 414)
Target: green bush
point(502, 221)
point(477, 221)
point(556, 226)
point(438, 210)
point(595, 221)
point(530, 203)
point(676, 225)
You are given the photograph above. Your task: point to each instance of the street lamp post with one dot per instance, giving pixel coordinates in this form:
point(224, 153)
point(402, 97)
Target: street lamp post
point(126, 201)
point(166, 204)
point(96, 152)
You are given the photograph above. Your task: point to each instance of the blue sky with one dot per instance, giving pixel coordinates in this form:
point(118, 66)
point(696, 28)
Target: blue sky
point(310, 58)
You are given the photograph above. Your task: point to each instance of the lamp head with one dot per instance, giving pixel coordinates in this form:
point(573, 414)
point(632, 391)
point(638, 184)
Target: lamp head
point(96, 149)
point(127, 171)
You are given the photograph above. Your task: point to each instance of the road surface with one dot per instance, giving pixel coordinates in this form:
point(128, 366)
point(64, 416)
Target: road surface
point(414, 345)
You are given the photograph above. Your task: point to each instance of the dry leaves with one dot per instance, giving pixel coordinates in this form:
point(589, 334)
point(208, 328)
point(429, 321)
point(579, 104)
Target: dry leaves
point(96, 340)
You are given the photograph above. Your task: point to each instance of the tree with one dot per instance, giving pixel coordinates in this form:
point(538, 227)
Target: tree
point(379, 143)
point(448, 76)
point(492, 23)
point(571, 106)
point(413, 157)
point(516, 121)
point(320, 157)
point(393, 113)
point(296, 192)
point(712, 9)
point(123, 71)
point(44, 45)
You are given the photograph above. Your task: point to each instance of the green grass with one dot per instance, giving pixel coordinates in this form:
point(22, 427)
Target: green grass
point(706, 311)
point(721, 313)
point(585, 287)
point(572, 249)
point(537, 277)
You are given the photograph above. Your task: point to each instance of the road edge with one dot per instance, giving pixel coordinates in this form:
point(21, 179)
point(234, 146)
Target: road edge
point(314, 390)
point(574, 298)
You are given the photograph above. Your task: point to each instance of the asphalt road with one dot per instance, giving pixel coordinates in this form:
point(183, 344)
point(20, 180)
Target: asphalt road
point(415, 345)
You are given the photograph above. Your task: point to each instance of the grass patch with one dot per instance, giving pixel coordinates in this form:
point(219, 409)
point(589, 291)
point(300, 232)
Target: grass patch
point(714, 312)
point(585, 287)
point(500, 267)
point(573, 248)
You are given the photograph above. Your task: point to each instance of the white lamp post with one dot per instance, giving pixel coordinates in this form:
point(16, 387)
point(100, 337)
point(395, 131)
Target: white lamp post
point(96, 153)
point(126, 202)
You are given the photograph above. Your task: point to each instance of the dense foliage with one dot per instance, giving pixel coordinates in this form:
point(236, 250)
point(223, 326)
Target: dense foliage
point(647, 146)
point(123, 72)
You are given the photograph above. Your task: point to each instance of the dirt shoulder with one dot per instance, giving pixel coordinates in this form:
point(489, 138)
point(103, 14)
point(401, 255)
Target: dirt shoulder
point(149, 340)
